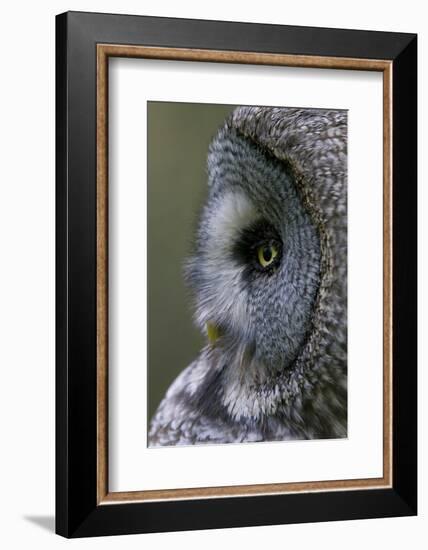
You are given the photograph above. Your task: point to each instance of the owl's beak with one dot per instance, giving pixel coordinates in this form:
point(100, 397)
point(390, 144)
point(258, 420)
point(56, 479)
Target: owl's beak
point(213, 333)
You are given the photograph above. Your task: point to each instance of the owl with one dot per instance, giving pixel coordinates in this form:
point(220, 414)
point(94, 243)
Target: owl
point(268, 276)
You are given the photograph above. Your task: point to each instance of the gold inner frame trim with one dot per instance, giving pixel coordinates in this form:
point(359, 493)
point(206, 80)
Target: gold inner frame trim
point(104, 51)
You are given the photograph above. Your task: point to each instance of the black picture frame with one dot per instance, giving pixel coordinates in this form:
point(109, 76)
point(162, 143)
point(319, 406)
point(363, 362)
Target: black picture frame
point(78, 513)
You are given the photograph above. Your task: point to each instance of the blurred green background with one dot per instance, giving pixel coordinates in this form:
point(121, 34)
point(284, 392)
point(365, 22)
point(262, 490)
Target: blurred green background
point(178, 135)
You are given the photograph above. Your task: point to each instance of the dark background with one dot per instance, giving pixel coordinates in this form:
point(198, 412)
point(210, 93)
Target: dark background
point(178, 138)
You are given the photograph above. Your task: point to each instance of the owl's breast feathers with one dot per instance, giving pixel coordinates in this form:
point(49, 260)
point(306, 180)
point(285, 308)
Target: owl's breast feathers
point(308, 400)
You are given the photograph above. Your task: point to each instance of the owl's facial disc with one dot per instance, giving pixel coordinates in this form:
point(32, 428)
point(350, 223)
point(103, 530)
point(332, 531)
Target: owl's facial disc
point(256, 264)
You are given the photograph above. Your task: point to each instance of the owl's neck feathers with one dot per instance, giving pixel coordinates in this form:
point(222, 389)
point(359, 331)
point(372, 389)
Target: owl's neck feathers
point(264, 404)
point(238, 388)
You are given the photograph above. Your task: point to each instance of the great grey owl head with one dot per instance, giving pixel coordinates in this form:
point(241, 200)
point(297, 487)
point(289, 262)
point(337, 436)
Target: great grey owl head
point(256, 267)
point(268, 276)
point(268, 272)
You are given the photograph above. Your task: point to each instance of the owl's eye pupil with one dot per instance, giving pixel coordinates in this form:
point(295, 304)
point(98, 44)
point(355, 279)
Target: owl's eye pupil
point(267, 254)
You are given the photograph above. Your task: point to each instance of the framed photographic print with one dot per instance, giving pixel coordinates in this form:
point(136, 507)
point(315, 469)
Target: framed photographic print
point(236, 274)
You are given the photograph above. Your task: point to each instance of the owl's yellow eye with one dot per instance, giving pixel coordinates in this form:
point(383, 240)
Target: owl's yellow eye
point(266, 254)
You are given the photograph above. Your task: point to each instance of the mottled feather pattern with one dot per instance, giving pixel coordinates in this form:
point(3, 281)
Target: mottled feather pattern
point(279, 370)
